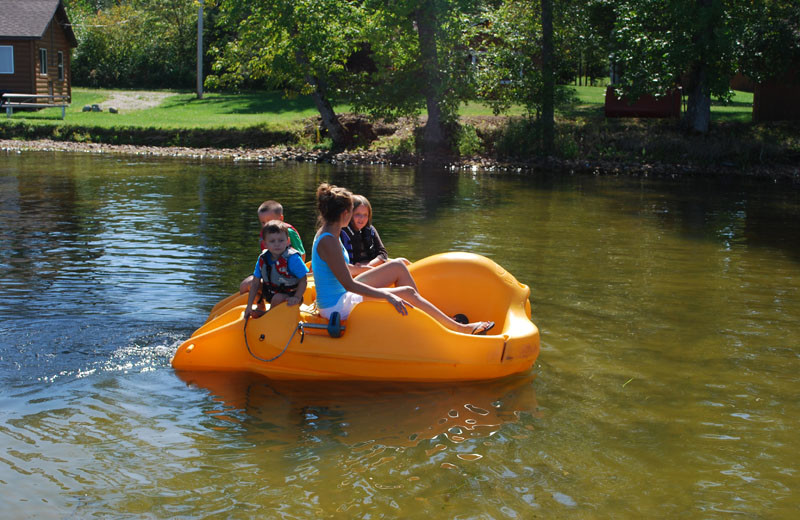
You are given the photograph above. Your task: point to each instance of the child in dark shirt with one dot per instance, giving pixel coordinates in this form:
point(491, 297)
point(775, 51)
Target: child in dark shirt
point(361, 239)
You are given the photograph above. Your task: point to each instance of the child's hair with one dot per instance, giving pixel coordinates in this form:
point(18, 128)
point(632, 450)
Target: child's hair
point(275, 226)
point(360, 200)
point(270, 206)
point(332, 201)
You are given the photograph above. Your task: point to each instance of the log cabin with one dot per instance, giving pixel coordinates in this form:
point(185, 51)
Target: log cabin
point(36, 40)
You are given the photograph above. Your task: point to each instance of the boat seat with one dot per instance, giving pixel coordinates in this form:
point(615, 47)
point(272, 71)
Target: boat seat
point(310, 314)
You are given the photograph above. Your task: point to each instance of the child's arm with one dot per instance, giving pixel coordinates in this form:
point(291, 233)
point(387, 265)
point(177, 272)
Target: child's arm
point(254, 285)
point(298, 294)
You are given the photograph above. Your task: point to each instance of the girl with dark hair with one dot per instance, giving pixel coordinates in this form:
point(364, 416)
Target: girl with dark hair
point(338, 291)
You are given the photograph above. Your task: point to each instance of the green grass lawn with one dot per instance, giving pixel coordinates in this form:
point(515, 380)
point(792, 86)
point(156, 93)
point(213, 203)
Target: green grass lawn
point(739, 109)
point(184, 110)
point(272, 109)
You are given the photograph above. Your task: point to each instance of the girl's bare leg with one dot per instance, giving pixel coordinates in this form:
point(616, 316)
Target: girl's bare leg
point(396, 273)
point(413, 297)
point(391, 273)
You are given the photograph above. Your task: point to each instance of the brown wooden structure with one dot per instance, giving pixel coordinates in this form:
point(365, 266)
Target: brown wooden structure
point(36, 40)
point(645, 106)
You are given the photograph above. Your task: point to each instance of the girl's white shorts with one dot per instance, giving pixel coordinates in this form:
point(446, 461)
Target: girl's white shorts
point(344, 306)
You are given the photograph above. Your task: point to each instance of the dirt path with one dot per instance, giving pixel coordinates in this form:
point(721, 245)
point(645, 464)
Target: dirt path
point(133, 100)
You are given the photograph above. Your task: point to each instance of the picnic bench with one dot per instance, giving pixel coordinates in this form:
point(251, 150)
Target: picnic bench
point(12, 101)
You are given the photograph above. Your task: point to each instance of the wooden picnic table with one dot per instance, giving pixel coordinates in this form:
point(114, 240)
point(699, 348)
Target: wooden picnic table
point(12, 101)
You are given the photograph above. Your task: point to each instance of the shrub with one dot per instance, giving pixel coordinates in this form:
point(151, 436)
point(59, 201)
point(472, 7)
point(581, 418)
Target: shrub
point(117, 48)
point(521, 137)
point(468, 142)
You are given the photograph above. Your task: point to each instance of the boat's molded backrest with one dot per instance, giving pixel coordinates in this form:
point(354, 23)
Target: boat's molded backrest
point(472, 285)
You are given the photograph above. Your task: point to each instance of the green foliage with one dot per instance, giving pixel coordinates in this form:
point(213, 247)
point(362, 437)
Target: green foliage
point(771, 40)
point(81, 137)
point(583, 38)
point(404, 146)
point(298, 45)
point(566, 146)
point(509, 70)
point(520, 138)
point(694, 43)
point(658, 41)
point(468, 142)
point(291, 44)
point(118, 48)
point(325, 144)
point(396, 85)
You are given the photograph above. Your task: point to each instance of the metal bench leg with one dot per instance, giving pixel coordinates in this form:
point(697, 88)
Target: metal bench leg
point(63, 112)
point(9, 111)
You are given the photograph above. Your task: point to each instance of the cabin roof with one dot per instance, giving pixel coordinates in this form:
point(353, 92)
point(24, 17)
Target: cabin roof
point(29, 19)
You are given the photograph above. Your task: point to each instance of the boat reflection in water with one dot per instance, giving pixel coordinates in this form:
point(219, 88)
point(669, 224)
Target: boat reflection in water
point(391, 414)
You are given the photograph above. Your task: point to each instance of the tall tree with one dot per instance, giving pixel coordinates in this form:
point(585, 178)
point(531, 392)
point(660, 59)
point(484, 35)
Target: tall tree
point(585, 28)
point(521, 54)
point(771, 42)
point(421, 58)
point(660, 43)
point(301, 46)
point(428, 26)
point(548, 78)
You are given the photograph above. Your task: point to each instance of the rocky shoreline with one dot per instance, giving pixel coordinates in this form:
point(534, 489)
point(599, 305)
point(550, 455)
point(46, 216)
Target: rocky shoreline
point(784, 173)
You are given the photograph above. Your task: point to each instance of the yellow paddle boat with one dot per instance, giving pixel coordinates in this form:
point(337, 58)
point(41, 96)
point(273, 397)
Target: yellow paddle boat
point(376, 342)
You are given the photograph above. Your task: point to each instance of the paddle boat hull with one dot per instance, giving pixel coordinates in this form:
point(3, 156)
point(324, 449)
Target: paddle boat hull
point(378, 343)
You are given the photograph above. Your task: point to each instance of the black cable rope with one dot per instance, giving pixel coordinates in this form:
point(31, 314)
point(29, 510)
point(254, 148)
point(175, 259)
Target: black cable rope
point(297, 327)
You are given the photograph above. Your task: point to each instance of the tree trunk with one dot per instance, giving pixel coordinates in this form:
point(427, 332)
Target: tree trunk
point(434, 137)
point(698, 103)
point(548, 80)
point(329, 120)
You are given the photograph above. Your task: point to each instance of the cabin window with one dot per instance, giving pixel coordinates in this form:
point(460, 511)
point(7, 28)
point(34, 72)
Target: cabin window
point(60, 66)
point(6, 59)
point(42, 61)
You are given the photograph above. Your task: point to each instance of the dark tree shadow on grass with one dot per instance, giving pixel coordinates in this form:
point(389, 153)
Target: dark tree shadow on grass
point(247, 103)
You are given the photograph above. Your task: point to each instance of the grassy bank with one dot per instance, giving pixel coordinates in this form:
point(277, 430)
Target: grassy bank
point(254, 119)
point(263, 119)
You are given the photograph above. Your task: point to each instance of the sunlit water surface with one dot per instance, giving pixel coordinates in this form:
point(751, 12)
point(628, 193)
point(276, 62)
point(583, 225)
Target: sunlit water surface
point(667, 385)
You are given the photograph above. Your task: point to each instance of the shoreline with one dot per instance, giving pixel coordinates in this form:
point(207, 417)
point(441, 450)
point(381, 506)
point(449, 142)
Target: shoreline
point(273, 154)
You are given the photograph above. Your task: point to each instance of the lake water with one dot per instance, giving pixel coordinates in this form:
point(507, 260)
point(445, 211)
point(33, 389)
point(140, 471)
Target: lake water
point(667, 385)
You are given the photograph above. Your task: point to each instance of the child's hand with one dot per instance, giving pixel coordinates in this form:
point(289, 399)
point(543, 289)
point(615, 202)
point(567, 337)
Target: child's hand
point(293, 300)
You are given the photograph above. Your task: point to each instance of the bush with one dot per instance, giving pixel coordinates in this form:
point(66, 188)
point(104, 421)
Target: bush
point(117, 48)
point(468, 142)
point(520, 138)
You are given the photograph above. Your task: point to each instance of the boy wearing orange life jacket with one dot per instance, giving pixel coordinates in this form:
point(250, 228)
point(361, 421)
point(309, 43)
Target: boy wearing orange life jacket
point(267, 211)
point(280, 273)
